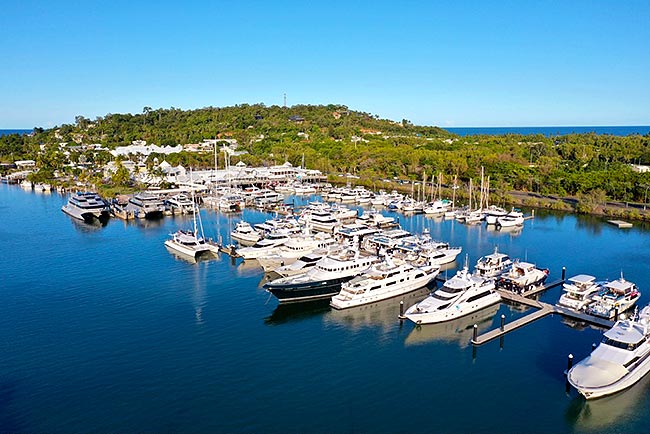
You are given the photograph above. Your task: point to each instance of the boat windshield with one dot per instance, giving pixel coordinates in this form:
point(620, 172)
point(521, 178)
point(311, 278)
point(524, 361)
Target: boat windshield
point(623, 345)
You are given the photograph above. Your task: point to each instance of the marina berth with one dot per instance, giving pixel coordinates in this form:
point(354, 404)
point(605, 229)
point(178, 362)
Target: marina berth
point(493, 265)
point(578, 292)
point(620, 360)
point(180, 204)
point(521, 277)
point(146, 205)
point(614, 297)
point(461, 295)
point(382, 281)
point(324, 279)
point(86, 206)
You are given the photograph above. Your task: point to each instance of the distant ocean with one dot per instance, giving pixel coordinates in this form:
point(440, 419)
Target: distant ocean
point(551, 131)
point(6, 132)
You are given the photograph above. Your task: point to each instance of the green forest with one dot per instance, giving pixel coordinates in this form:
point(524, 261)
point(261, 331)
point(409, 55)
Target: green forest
point(335, 139)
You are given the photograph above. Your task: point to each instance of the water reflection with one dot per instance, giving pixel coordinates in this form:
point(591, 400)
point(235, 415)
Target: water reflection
point(291, 312)
point(382, 313)
point(513, 231)
point(459, 330)
point(249, 268)
point(606, 413)
point(88, 227)
point(199, 278)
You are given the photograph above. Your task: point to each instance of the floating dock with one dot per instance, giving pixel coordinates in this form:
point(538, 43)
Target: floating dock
point(620, 223)
point(543, 309)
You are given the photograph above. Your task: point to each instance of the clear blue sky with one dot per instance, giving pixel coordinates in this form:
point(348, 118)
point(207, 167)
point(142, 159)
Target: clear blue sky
point(446, 63)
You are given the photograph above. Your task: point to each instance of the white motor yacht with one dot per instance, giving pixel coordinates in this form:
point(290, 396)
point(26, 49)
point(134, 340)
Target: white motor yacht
point(578, 292)
point(86, 206)
point(521, 277)
point(244, 234)
point(513, 218)
point(617, 296)
point(265, 246)
point(493, 265)
point(621, 359)
point(180, 204)
point(294, 248)
point(146, 205)
point(459, 296)
point(381, 281)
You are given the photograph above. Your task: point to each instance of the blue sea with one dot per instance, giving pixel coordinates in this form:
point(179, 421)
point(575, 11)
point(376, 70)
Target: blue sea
point(551, 131)
point(7, 132)
point(103, 330)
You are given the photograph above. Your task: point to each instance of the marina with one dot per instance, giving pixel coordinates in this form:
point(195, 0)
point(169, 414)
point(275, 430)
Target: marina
point(121, 326)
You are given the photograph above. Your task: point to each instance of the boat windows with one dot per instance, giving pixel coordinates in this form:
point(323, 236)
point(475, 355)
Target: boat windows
point(478, 296)
point(623, 345)
point(440, 296)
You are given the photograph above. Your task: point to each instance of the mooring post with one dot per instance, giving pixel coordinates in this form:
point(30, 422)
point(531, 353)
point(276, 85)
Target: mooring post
point(569, 363)
point(503, 322)
point(401, 309)
point(593, 346)
point(475, 332)
point(615, 313)
point(563, 273)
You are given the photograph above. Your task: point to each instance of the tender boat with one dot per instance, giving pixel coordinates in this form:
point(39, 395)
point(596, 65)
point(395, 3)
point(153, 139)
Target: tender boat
point(244, 234)
point(522, 277)
point(578, 292)
point(459, 296)
point(381, 281)
point(323, 280)
point(621, 359)
point(493, 265)
point(86, 206)
point(617, 296)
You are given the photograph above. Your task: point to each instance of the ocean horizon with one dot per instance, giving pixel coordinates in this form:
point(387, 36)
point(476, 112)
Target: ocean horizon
point(615, 130)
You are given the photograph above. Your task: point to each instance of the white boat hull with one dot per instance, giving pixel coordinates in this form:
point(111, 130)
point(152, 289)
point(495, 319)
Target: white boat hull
point(452, 312)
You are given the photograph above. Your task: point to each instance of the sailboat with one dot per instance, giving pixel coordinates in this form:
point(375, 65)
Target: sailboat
point(188, 242)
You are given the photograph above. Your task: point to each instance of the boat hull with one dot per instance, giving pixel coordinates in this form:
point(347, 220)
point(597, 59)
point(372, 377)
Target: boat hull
point(307, 291)
point(452, 312)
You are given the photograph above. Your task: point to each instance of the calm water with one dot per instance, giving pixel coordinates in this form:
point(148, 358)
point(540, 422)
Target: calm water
point(103, 330)
point(619, 130)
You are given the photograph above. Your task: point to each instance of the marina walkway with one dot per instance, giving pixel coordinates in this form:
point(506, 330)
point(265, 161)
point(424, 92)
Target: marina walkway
point(542, 310)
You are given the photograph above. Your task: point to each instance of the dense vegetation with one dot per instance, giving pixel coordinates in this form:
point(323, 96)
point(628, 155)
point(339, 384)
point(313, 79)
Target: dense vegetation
point(334, 139)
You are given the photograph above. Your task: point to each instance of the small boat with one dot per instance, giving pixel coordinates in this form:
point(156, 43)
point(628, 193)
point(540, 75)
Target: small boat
point(578, 292)
point(382, 281)
point(493, 265)
point(522, 277)
point(87, 206)
point(620, 360)
point(614, 297)
point(459, 296)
